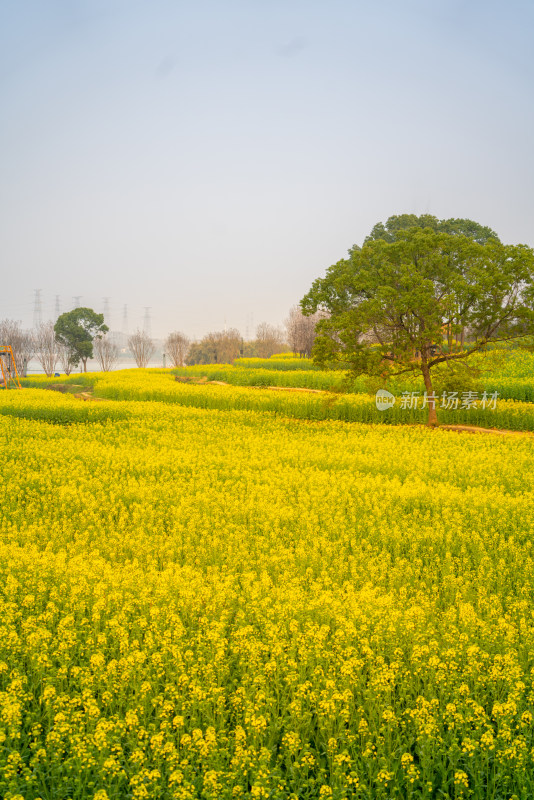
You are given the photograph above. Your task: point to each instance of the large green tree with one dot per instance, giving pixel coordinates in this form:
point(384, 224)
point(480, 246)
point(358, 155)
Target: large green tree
point(402, 305)
point(76, 330)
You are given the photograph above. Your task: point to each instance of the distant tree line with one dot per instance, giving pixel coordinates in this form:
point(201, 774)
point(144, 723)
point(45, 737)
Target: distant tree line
point(222, 347)
point(81, 334)
point(73, 339)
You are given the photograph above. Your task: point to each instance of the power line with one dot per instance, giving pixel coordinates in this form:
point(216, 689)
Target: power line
point(125, 320)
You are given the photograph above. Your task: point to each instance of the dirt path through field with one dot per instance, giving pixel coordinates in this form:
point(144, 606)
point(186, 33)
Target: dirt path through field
point(474, 429)
point(89, 396)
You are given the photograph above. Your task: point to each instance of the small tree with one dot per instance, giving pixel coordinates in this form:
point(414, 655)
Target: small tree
point(106, 352)
point(21, 342)
point(64, 357)
point(76, 330)
point(227, 345)
point(301, 330)
point(198, 354)
point(46, 347)
point(269, 340)
point(177, 347)
point(218, 347)
point(142, 347)
point(405, 303)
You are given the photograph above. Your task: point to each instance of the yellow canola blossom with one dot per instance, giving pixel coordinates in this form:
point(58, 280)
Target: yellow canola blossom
point(221, 603)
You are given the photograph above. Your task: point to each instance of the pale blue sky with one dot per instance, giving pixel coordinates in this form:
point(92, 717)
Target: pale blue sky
point(211, 159)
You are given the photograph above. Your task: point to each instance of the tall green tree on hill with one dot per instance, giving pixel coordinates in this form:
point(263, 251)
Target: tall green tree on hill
point(400, 304)
point(76, 330)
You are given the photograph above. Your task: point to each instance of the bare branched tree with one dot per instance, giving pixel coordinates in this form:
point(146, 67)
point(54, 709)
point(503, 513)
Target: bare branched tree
point(46, 348)
point(65, 358)
point(301, 331)
point(21, 342)
point(177, 347)
point(106, 352)
point(269, 340)
point(142, 347)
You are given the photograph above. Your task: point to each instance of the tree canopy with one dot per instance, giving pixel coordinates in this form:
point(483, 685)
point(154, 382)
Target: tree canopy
point(423, 298)
point(395, 225)
point(217, 347)
point(76, 330)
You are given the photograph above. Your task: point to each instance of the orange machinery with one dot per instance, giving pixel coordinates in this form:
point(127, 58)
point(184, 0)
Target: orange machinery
point(10, 376)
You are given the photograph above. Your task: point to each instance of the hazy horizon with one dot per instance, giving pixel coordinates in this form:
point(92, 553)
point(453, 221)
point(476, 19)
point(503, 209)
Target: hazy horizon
point(209, 161)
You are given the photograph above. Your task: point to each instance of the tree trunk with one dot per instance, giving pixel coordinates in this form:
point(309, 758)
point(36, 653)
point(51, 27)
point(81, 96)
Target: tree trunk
point(432, 413)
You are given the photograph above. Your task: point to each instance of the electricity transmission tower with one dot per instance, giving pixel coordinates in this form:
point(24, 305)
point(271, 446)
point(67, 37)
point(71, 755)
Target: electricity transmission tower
point(37, 309)
point(249, 328)
point(146, 322)
point(107, 315)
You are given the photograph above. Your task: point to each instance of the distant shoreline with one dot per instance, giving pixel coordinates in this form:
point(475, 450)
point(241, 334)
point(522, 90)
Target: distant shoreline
point(94, 366)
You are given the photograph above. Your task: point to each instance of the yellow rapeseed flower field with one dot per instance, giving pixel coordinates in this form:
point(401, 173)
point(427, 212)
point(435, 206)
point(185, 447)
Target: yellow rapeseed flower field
point(225, 603)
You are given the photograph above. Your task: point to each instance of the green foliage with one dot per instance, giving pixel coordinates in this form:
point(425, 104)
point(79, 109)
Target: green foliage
point(456, 376)
point(217, 347)
point(390, 231)
point(198, 353)
point(76, 331)
point(404, 306)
